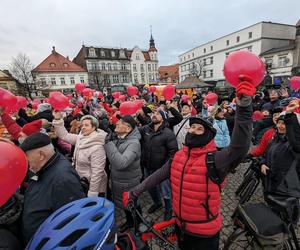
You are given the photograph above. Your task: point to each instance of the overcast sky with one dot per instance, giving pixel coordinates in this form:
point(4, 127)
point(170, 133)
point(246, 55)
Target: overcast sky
point(34, 26)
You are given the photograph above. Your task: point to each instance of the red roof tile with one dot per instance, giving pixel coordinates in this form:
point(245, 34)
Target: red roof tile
point(152, 49)
point(55, 62)
point(146, 55)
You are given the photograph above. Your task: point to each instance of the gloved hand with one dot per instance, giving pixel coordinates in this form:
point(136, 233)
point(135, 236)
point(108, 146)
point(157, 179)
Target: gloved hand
point(245, 87)
point(109, 137)
point(128, 200)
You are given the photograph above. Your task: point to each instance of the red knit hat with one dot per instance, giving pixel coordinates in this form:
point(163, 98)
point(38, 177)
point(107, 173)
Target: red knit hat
point(32, 127)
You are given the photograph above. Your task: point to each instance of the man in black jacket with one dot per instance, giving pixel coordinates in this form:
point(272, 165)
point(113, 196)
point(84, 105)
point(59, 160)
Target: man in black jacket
point(158, 146)
point(53, 183)
point(44, 112)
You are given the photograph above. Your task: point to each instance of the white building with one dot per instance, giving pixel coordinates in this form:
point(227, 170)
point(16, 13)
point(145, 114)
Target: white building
point(209, 58)
point(144, 64)
point(57, 72)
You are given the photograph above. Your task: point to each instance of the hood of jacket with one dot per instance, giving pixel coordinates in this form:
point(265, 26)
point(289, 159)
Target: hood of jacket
point(95, 138)
point(134, 134)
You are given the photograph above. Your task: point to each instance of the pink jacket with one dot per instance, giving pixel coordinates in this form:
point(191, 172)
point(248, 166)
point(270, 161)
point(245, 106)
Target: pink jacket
point(89, 156)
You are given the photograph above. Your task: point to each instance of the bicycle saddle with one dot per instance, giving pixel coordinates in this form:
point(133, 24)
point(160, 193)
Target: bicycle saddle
point(281, 201)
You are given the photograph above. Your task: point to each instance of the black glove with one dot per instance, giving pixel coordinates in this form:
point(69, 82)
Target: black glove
point(110, 137)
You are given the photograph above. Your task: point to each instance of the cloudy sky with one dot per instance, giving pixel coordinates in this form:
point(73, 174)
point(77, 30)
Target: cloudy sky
point(34, 26)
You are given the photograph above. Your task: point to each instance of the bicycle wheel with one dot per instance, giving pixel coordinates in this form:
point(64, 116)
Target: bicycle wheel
point(239, 239)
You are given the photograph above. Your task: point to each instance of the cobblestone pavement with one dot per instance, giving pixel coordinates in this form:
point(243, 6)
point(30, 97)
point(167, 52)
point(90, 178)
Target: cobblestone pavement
point(229, 203)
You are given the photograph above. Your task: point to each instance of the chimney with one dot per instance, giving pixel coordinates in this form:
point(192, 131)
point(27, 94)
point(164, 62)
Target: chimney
point(53, 49)
point(68, 58)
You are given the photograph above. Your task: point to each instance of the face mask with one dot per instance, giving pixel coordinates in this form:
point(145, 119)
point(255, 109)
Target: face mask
point(196, 141)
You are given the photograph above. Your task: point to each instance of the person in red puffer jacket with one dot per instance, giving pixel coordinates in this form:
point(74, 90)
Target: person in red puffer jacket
point(197, 174)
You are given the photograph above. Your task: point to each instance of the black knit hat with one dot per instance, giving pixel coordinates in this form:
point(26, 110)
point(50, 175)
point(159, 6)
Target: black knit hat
point(36, 140)
point(129, 120)
point(205, 123)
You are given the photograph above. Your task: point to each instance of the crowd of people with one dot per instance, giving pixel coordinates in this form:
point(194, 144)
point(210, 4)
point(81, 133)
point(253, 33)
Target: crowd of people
point(180, 150)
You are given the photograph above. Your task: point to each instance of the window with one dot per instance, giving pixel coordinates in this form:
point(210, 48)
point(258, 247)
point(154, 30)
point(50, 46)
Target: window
point(204, 62)
point(237, 39)
point(43, 81)
point(52, 65)
point(204, 50)
point(250, 35)
point(149, 67)
point(134, 67)
point(106, 79)
point(92, 52)
point(227, 54)
point(204, 73)
point(211, 73)
point(136, 80)
point(124, 78)
point(109, 66)
point(227, 42)
point(211, 48)
point(184, 58)
point(115, 78)
point(137, 57)
point(183, 67)
point(142, 67)
point(188, 56)
point(282, 61)
point(62, 81)
point(113, 54)
point(66, 65)
point(155, 66)
point(102, 53)
point(115, 66)
point(53, 81)
point(123, 66)
point(72, 80)
point(211, 60)
point(249, 48)
point(143, 78)
point(82, 79)
point(193, 54)
point(103, 66)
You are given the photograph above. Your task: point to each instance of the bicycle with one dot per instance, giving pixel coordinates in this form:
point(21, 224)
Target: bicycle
point(252, 221)
point(163, 233)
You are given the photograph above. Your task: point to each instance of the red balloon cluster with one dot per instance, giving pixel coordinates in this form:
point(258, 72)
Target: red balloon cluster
point(295, 82)
point(128, 108)
point(243, 63)
point(116, 95)
point(13, 168)
point(211, 98)
point(79, 87)
point(257, 116)
point(58, 100)
point(168, 92)
point(7, 99)
point(131, 90)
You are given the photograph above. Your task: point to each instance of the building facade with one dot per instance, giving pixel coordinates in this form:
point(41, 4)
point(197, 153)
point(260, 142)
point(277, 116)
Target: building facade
point(108, 67)
point(58, 73)
point(207, 60)
point(169, 74)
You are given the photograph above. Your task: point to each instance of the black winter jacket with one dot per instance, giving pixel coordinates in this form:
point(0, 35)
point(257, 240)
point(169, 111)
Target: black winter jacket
point(157, 147)
point(55, 185)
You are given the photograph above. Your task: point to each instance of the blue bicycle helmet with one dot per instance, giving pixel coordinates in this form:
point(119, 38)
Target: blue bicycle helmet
point(85, 224)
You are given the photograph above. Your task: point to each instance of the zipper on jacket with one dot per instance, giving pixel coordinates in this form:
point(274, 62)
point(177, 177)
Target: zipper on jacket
point(181, 183)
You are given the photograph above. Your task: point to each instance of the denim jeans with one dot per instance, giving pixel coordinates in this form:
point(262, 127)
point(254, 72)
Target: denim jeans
point(163, 189)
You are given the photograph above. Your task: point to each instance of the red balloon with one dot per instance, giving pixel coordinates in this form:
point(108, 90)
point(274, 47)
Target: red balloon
point(13, 168)
point(114, 117)
point(22, 102)
point(211, 98)
point(295, 82)
point(184, 98)
point(122, 98)
point(58, 100)
point(139, 104)
point(70, 96)
point(168, 92)
point(79, 87)
point(87, 92)
point(37, 101)
point(100, 95)
point(243, 63)
point(131, 90)
point(257, 115)
point(152, 89)
point(116, 95)
point(71, 105)
point(7, 99)
point(128, 108)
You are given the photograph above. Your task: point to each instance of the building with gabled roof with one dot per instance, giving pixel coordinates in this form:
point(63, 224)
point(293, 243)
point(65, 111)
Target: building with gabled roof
point(169, 74)
point(8, 82)
point(57, 72)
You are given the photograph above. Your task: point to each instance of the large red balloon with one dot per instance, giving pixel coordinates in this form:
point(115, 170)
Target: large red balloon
point(116, 95)
point(13, 168)
point(211, 98)
point(22, 102)
point(257, 115)
point(245, 63)
point(87, 92)
point(79, 87)
point(168, 92)
point(131, 90)
point(152, 89)
point(128, 108)
point(58, 100)
point(7, 99)
point(295, 82)
point(139, 104)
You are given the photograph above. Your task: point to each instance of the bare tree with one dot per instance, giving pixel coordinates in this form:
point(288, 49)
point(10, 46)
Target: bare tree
point(21, 68)
point(197, 68)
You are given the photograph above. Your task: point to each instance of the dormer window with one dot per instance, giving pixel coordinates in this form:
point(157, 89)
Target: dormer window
point(113, 54)
point(102, 53)
point(92, 52)
point(66, 65)
point(52, 65)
